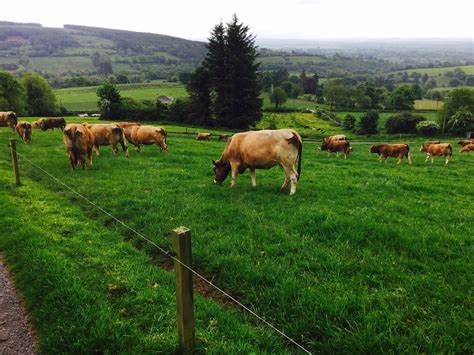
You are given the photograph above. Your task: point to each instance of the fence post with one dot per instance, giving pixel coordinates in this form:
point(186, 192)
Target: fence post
point(184, 289)
point(15, 161)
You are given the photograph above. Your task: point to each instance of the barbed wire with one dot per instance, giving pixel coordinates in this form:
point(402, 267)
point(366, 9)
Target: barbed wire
point(167, 253)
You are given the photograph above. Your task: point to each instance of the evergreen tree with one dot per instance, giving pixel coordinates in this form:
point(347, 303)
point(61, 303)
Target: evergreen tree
point(199, 89)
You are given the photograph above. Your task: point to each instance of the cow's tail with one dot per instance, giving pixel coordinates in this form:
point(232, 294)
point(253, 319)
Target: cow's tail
point(450, 150)
point(298, 143)
point(408, 150)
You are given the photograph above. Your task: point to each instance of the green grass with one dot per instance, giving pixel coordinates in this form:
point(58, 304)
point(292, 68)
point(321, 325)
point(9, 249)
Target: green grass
point(366, 258)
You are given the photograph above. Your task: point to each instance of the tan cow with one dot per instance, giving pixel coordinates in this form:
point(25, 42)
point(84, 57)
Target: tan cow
point(465, 142)
point(385, 151)
point(8, 119)
point(24, 130)
point(204, 136)
point(467, 148)
point(79, 143)
point(335, 138)
point(342, 146)
point(49, 123)
point(437, 149)
point(261, 150)
point(107, 134)
point(138, 135)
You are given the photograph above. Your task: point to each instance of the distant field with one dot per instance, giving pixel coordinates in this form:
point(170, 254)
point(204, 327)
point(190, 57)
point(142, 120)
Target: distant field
point(85, 98)
point(428, 105)
point(295, 59)
point(468, 69)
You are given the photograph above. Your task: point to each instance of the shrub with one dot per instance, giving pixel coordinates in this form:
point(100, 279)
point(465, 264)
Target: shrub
point(368, 123)
point(462, 121)
point(349, 122)
point(404, 122)
point(427, 128)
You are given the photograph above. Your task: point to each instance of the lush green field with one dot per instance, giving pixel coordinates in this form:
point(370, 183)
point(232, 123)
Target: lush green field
point(468, 69)
point(431, 116)
point(428, 105)
point(85, 98)
point(365, 258)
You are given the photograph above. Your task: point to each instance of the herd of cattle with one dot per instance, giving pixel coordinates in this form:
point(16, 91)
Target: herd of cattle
point(247, 150)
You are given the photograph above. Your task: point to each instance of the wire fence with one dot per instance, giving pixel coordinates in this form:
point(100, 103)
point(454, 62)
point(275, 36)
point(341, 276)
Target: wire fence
point(165, 252)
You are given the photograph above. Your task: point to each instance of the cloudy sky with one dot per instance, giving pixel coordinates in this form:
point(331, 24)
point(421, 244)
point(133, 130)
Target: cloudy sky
point(305, 19)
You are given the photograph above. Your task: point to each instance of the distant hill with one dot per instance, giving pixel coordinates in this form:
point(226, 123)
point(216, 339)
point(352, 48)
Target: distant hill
point(61, 54)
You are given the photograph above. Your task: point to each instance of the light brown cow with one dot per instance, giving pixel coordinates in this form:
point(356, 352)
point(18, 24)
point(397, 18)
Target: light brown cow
point(138, 135)
point(440, 149)
point(335, 138)
point(203, 136)
point(24, 130)
point(8, 119)
point(465, 142)
point(49, 123)
point(79, 143)
point(108, 134)
point(467, 148)
point(261, 150)
point(336, 147)
point(223, 137)
point(385, 151)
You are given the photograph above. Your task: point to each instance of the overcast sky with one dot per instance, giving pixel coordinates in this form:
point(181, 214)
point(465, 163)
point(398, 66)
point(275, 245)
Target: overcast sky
point(306, 19)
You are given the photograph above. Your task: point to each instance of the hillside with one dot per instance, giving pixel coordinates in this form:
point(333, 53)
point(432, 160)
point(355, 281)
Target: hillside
point(64, 53)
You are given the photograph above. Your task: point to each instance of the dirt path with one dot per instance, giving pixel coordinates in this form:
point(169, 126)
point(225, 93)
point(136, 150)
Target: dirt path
point(16, 336)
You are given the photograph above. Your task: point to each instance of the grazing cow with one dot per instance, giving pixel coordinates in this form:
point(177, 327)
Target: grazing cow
point(261, 150)
point(337, 137)
point(465, 142)
point(50, 123)
point(137, 135)
point(336, 147)
point(24, 130)
point(79, 143)
point(8, 119)
point(437, 149)
point(203, 136)
point(467, 148)
point(107, 134)
point(385, 151)
point(223, 137)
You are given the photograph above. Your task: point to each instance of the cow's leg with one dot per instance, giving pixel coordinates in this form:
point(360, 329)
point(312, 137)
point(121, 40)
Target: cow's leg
point(285, 183)
point(432, 159)
point(337, 154)
point(400, 158)
point(137, 147)
point(89, 155)
point(124, 147)
point(427, 157)
point(447, 160)
point(114, 148)
point(254, 178)
point(345, 154)
point(291, 175)
point(409, 159)
point(96, 148)
point(235, 171)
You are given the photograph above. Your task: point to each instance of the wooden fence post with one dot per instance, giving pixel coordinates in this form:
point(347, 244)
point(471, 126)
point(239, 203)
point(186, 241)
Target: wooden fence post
point(184, 289)
point(15, 161)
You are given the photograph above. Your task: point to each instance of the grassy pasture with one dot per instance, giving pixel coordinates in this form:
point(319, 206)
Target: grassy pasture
point(468, 69)
point(366, 257)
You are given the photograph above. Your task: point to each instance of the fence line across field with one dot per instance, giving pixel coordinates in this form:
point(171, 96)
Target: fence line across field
point(167, 253)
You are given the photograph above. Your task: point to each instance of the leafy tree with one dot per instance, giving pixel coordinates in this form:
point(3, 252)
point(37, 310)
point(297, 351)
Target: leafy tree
point(404, 122)
point(417, 91)
point(402, 98)
point(102, 63)
point(469, 81)
point(425, 78)
point(110, 101)
point(278, 97)
point(349, 122)
point(431, 84)
point(279, 76)
point(461, 122)
point(368, 123)
point(427, 128)
point(12, 94)
point(457, 99)
point(40, 99)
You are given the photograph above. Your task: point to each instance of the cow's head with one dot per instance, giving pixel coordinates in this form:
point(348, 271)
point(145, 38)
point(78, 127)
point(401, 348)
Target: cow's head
point(324, 145)
point(374, 149)
point(424, 147)
point(221, 170)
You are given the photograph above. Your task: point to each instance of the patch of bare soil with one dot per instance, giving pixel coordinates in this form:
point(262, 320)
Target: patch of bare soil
point(16, 334)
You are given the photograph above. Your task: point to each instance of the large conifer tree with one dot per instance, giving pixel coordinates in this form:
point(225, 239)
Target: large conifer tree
point(233, 76)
